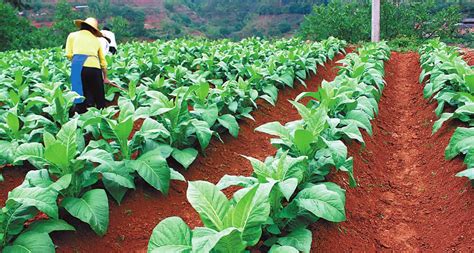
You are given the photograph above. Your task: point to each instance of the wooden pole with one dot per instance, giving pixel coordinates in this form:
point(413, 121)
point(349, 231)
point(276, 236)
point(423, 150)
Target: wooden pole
point(375, 20)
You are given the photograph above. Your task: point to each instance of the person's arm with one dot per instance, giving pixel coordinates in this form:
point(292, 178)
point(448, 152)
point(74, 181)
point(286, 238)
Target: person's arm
point(69, 46)
point(106, 79)
point(103, 64)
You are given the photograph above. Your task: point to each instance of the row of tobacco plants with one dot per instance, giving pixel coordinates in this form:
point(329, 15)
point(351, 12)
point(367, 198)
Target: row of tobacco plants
point(287, 191)
point(450, 81)
point(174, 97)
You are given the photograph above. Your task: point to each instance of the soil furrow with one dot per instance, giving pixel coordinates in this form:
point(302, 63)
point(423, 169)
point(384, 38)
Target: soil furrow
point(408, 199)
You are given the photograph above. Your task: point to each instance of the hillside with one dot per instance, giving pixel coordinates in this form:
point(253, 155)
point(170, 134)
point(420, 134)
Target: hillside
point(213, 18)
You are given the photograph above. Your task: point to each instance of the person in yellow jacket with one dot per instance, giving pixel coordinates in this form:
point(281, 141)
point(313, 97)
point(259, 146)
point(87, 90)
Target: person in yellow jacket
point(89, 67)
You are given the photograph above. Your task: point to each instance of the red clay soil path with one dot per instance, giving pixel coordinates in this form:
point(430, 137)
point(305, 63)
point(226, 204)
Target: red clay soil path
point(132, 222)
point(409, 199)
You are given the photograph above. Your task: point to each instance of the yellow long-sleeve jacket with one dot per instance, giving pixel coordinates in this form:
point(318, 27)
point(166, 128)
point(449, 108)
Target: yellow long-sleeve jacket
point(84, 42)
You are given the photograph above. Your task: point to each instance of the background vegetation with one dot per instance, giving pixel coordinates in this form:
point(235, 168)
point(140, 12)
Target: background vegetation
point(404, 22)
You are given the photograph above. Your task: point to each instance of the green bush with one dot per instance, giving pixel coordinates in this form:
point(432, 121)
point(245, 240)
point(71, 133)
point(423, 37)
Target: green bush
point(404, 43)
point(351, 21)
point(169, 5)
point(284, 27)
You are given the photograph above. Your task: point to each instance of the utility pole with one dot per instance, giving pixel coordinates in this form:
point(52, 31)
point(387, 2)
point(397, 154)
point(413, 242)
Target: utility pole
point(375, 20)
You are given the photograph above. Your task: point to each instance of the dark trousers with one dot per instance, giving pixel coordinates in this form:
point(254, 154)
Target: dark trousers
point(93, 89)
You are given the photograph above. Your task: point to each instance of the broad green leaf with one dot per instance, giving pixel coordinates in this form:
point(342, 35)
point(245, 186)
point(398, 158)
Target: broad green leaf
point(287, 79)
point(62, 183)
point(203, 132)
point(42, 198)
point(303, 139)
point(360, 118)
point(322, 202)
point(48, 226)
point(211, 204)
point(353, 132)
point(288, 187)
point(250, 213)
point(92, 208)
point(282, 249)
point(469, 173)
point(228, 121)
point(154, 169)
point(152, 129)
point(38, 178)
point(31, 242)
point(444, 117)
point(470, 82)
point(56, 154)
point(116, 190)
point(67, 137)
point(259, 167)
point(230, 242)
point(461, 142)
point(175, 175)
point(27, 151)
point(48, 139)
point(314, 119)
point(228, 181)
point(98, 156)
point(13, 122)
point(124, 128)
point(338, 151)
point(7, 151)
point(202, 91)
point(275, 128)
point(206, 239)
point(185, 157)
point(17, 214)
point(208, 113)
point(171, 235)
point(165, 149)
point(300, 239)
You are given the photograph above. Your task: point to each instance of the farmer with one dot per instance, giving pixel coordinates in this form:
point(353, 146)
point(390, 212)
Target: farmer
point(108, 42)
point(105, 44)
point(88, 68)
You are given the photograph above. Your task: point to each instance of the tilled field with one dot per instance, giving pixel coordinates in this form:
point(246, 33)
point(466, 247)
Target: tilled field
point(408, 198)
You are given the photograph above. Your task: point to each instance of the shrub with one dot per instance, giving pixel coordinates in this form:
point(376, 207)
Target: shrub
point(284, 27)
point(351, 21)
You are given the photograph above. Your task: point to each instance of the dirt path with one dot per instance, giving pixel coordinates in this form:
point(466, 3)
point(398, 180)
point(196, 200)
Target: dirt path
point(408, 199)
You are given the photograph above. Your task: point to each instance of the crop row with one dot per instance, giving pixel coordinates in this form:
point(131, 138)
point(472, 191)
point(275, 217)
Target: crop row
point(450, 80)
point(174, 102)
point(287, 192)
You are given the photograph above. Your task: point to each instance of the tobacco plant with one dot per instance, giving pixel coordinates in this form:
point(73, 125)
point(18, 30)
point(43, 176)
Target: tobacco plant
point(295, 177)
point(59, 163)
point(450, 80)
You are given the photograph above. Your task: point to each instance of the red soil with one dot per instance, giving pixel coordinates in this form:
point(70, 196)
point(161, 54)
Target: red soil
point(132, 222)
point(469, 56)
point(408, 198)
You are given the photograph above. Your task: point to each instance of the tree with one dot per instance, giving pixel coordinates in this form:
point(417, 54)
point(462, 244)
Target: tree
point(19, 4)
point(99, 9)
point(13, 29)
point(121, 28)
point(63, 21)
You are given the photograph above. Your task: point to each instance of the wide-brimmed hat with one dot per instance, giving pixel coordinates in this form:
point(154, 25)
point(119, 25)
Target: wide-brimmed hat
point(92, 22)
